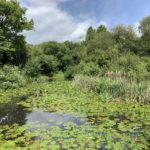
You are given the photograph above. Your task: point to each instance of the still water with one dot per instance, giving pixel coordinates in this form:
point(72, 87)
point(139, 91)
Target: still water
point(16, 114)
point(13, 113)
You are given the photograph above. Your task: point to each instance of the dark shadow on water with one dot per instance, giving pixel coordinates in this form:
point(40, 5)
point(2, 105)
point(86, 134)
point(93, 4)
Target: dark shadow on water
point(12, 113)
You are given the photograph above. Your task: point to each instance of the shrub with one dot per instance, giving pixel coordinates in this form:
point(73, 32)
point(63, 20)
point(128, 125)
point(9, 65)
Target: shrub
point(11, 77)
point(89, 68)
point(132, 64)
point(45, 64)
point(83, 68)
point(70, 72)
point(32, 68)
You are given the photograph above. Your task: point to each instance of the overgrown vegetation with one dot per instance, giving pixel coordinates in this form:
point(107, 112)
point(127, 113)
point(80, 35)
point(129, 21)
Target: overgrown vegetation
point(11, 77)
point(112, 88)
point(103, 50)
point(108, 125)
point(105, 79)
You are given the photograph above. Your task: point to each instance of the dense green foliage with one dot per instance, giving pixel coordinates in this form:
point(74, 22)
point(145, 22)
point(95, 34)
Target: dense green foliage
point(104, 50)
point(108, 87)
point(119, 49)
point(12, 23)
point(11, 77)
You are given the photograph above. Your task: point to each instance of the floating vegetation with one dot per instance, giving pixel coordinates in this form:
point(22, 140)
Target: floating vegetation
point(70, 119)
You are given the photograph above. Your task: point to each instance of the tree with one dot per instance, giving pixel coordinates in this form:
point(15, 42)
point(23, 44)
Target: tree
point(6, 49)
point(100, 41)
point(145, 38)
point(12, 23)
point(59, 50)
point(101, 28)
point(125, 37)
point(43, 64)
point(90, 33)
point(145, 26)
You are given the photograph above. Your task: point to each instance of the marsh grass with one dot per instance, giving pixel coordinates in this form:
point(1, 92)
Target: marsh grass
point(112, 88)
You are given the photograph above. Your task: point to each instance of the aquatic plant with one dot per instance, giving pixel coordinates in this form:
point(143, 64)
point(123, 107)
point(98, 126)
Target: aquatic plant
point(109, 124)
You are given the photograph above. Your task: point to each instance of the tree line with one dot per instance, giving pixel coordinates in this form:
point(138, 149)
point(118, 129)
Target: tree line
point(103, 50)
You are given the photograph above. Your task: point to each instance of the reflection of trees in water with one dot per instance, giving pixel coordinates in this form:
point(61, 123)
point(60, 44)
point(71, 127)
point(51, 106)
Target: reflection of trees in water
point(11, 113)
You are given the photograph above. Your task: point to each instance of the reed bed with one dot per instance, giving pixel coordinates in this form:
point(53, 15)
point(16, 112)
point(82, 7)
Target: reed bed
point(115, 86)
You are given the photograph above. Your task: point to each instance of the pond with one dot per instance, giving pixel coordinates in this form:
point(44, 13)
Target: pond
point(14, 113)
point(65, 119)
point(53, 119)
point(40, 122)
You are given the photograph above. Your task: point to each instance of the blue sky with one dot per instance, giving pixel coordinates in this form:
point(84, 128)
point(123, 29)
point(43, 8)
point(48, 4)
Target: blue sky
point(112, 12)
point(62, 20)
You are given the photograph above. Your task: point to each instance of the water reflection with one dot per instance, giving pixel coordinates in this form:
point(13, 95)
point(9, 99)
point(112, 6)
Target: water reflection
point(12, 113)
point(53, 119)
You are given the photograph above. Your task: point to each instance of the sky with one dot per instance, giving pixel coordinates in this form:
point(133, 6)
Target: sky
point(61, 20)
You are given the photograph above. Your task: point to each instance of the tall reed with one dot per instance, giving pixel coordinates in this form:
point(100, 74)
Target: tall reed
point(114, 87)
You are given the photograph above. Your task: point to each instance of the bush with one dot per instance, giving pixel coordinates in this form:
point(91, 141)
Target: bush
point(83, 68)
point(11, 77)
point(45, 64)
point(132, 64)
point(70, 72)
point(32, 68)
point(89, 68)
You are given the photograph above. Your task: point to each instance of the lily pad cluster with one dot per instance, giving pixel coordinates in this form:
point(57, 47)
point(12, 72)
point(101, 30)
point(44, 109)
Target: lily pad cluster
point(108, 124)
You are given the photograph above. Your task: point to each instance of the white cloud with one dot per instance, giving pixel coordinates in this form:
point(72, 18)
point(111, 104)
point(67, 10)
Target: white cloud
point(136, 29)
point(51, 23)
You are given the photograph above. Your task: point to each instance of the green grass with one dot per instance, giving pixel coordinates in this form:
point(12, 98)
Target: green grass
point(115, 88)
point(116, 119)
